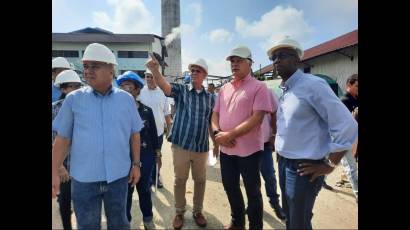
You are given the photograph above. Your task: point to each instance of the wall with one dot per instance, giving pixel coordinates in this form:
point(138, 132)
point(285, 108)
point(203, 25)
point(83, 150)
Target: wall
point(336, 65)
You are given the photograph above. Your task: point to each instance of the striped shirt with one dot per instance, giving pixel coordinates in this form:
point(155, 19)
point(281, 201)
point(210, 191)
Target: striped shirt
point(192, 117)
point(99, 127)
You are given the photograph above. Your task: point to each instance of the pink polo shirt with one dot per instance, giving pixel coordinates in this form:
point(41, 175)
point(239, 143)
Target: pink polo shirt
point(236, 102)
point(267, 119)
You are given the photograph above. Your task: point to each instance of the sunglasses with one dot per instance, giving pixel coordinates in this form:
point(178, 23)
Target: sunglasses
point(148, 76)
point(281, 56)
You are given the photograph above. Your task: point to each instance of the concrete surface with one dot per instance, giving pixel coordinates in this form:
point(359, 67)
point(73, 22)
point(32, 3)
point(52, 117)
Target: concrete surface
point(333, 209)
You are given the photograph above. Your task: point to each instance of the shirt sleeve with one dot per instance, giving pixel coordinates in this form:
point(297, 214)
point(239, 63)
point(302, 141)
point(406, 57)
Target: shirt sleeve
point(175, 90)
point(262, 101)
point(167, 107)
point(64, 121)
point(342, 126)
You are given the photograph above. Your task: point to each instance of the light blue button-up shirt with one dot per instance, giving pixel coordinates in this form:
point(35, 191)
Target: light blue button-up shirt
point(100, 128)
point(55, 92)
point(311, 120)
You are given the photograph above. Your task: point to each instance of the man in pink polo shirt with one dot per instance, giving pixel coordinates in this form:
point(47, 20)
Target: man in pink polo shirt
point(236, 124)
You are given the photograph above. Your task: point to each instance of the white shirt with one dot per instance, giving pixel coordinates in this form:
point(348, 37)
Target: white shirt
point(158, 102)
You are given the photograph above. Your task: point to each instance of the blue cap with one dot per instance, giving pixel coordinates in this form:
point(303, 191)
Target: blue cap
point(130, 76)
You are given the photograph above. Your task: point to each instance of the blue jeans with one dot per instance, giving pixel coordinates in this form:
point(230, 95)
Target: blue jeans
point(350, 168)
point(232, 167)
point(87, 201)
point(160, 141)
point(143, 188)
point(298, 193)
point(268, 174)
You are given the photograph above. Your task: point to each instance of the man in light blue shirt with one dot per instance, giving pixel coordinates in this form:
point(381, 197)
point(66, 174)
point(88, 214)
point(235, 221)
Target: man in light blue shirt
point(314, 131)
point(100, 124)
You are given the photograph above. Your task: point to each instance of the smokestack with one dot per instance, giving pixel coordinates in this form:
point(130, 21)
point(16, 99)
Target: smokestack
point(170, 18)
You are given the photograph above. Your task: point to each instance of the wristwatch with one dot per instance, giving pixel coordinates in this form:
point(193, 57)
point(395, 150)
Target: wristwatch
point(136, 164)
point(329, 162)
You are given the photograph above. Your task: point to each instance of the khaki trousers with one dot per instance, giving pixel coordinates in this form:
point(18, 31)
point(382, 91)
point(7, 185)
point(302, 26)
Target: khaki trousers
point(183, 160)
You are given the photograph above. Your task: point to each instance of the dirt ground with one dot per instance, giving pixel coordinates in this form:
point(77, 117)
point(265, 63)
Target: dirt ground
point(335, 209)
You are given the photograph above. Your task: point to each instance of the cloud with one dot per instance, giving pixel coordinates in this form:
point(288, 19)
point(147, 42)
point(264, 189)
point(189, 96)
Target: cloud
point(276, 24)
point(194, 11)
point(219, 36)
point(130, 16)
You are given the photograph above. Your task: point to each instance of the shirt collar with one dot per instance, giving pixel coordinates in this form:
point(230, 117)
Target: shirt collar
point(191, 87)
point(291, 81)
point(241, 81)
point(109, 92)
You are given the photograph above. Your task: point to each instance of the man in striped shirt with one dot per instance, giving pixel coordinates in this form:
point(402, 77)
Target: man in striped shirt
point(190, 142)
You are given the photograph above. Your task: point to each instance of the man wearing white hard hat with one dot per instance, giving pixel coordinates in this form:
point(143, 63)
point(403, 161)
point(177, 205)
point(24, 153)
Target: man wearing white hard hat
point(152, 96)
point(236, 120)
point(190, 131)
point(58, 65)
point(67, 81)
point(314, 131)
point(99, 123)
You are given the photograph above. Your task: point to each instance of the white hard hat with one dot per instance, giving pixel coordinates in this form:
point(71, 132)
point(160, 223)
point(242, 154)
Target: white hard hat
point(201, 63)
point(240, 51)
point(99, 52)
point(60, 62)
point(149, 71)
point(66, 76)
point(286, 43)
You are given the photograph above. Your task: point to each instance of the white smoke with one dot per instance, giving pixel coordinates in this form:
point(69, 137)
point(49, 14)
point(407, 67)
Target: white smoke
point(177, 31)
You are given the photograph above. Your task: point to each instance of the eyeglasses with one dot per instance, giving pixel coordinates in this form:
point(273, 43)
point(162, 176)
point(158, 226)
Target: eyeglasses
point(93, 67)
point(281, 56)
point(148, 76)
point(196, 71)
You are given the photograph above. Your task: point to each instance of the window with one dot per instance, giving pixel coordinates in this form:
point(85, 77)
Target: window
point(133, 54)
point(65, 53)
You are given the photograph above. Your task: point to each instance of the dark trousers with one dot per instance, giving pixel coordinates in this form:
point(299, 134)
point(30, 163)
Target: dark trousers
point(143, 188)
point(268, 174)
point(232, 167)
point(64, 202)
point(154, 177)
point(298, 193)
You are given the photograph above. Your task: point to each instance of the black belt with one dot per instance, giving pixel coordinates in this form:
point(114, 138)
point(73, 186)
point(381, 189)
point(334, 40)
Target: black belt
point(302, 160)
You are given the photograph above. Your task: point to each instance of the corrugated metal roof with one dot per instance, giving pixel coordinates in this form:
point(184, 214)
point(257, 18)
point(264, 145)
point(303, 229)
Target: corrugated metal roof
point(338, 43)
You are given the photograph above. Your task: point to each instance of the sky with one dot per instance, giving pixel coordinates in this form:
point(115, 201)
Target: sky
point(211, 28)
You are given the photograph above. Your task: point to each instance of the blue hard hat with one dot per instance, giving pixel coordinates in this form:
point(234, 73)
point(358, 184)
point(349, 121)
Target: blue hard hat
point(130, 76)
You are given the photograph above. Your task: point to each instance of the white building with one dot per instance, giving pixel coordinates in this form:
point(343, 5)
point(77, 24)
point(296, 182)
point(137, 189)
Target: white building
point(337, 58)
point(131, 50)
